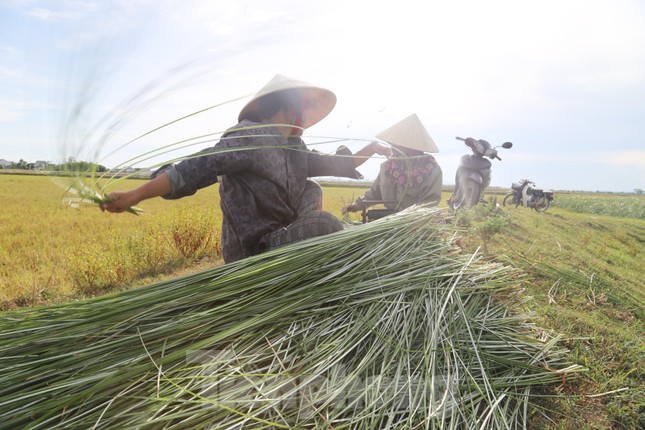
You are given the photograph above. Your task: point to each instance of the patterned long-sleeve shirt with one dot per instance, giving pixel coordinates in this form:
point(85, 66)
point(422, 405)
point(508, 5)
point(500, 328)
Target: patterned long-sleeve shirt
point(263, 176)
point(406, 182)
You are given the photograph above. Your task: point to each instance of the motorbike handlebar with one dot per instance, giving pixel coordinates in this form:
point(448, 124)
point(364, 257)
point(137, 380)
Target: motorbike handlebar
point(472, 144)
point(469, 142)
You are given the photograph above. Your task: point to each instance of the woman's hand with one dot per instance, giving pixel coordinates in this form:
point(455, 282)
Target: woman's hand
point(349, 208)
point(120, 201)
point(372, 148)
point(381, 149)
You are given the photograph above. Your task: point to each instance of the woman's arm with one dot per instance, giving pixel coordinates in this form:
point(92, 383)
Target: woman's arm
point(343, 164)
point(122, 200)
point(372, 148)
point(374, 193)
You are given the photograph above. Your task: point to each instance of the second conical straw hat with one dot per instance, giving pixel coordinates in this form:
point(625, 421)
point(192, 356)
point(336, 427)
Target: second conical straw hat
point(409, 133)
point(321, 100)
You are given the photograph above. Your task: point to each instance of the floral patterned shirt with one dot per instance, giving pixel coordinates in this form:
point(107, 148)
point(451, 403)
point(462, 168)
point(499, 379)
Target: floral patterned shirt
point(406, 182)
point(263, 176)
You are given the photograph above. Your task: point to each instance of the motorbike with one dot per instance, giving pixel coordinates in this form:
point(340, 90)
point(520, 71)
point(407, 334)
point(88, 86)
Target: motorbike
point(473, 173)
point(523, 193)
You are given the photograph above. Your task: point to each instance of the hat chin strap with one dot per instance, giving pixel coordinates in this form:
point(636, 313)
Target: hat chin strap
point(283, 117)
point(297, 119)
point(297, 131)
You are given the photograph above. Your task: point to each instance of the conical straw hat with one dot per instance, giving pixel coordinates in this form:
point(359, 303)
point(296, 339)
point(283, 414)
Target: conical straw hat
point(322, 100)
point(409, 133)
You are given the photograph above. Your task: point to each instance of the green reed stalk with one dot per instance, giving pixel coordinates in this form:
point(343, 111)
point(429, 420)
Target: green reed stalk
point(384, 325)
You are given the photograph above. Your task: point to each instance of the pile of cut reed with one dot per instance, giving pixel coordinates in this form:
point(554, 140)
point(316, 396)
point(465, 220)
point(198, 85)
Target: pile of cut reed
point(383, 325)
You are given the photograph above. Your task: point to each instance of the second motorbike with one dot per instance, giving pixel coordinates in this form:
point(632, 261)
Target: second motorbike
point(523, 193)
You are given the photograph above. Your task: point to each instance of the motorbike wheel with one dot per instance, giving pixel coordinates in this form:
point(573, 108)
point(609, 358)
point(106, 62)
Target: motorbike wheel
point(509, 200)
point(468, 195)
point(542, 204)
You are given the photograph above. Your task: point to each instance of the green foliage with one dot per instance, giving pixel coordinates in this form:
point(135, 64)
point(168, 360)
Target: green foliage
point(148, 251)
point(93, 272)
point(627, 206)
point(485, 221)
point(583, 278)
point(22, 165)
point(78, 166)
point(192, 234)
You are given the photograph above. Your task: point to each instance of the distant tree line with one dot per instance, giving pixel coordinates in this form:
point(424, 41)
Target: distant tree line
point(70, 165)
point(77, 166)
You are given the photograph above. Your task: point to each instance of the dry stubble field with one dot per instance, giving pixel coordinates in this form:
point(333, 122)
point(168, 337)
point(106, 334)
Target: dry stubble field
point(50, 251)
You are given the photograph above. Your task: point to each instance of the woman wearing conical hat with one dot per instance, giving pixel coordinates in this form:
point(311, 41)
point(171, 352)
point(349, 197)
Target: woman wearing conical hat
point(265, 196)
point(410, 176)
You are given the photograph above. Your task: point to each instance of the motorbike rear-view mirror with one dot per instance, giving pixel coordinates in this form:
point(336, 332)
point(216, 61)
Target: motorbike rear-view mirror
point(507, 145)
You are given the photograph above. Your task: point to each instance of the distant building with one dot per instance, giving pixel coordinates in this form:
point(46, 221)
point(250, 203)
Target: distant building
point(41, 165)
point(122, 170)
point(4, 164)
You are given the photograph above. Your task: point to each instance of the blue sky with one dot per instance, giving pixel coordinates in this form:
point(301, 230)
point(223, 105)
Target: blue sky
point(564, 80)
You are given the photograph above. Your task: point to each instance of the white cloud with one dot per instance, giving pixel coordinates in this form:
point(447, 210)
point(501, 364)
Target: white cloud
point(61, 11)
point(622, 158)
point(8, 114)
point(619, 158)
point(10, 73)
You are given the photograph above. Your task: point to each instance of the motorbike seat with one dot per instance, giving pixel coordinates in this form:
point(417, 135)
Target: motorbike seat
point(537, 192)
point(374, 214)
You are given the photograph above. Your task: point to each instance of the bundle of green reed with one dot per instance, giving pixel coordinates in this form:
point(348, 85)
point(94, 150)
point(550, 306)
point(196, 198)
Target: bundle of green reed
point(87, 194)
point(383, 325)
